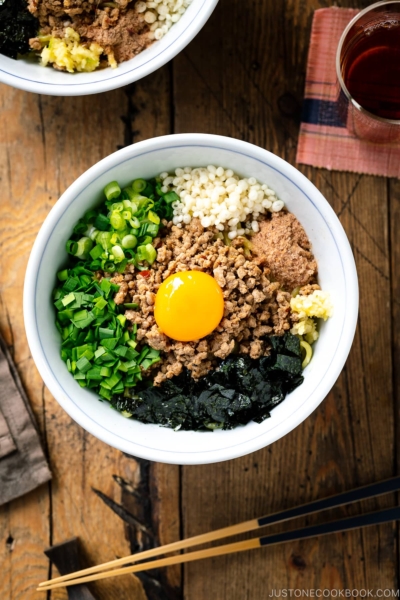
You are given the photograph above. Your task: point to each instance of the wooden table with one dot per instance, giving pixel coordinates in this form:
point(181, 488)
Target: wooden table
point(243, 76)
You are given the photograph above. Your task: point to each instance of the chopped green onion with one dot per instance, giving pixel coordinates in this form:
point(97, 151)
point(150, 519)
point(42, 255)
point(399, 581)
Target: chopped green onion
point(59, 305)
point(63, 275)
point(103, 239)
point(80, 228)
point(117, 221)
point(82, 247)
point(147, 239)
point(68, 299)
point(112, 190)
point(99, 352)
point(97, 346)
point(90, 216)
point(171, 197)
point(102, 223)
point(105, 285)
point(153, 217)
point(94, 373)
point(65, 315)
point(71, 247)
point(109, 343)
point(83, 364)
point(109, 267)
point(113, 380)
point(105, 372)
point(121, 351)
point(139, 185)
point(118, 253)
point(79, 375)
point(121, 319)
point(100, 303)
point(106, 333)
point(104, 393)
point(134, 222)
point(147, 252)
point(96, 252)
point(81, 315)
point(129, 241)
point(152, 229)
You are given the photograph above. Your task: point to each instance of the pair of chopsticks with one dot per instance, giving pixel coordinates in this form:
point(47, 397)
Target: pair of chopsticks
point(370, 491)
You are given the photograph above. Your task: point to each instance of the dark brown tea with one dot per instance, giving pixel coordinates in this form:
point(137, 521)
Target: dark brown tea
point(371, 69)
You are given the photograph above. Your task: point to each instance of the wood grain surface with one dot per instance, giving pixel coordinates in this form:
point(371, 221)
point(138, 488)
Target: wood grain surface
point(243, 76)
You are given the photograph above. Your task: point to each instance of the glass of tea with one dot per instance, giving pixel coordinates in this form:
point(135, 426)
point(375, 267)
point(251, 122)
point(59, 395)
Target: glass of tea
point(368, 72)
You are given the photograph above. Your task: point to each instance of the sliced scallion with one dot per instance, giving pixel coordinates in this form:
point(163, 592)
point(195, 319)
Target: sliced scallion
point(112, 190)
point(139, 185)
point(62, 275)
point(129, 241)
point(118, 253)
point(117, 221)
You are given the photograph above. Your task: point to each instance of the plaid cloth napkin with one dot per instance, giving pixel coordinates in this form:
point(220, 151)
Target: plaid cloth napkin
point(324, 141)
point(23, 465)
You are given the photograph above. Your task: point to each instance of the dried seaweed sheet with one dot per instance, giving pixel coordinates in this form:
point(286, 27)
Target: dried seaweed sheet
point(238, 391)
point(17, 25)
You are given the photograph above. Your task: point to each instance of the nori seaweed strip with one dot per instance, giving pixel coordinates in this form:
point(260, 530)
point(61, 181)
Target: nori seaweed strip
point(238, 391)
point(17, 26)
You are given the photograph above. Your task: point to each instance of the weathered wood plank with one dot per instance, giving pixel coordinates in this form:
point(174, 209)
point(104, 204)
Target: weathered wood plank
point(394, 215)
point(249, 84)
point(24, 524)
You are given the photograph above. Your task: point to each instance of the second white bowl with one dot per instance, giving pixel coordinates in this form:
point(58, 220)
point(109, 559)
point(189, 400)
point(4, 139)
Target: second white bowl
point(29, 75)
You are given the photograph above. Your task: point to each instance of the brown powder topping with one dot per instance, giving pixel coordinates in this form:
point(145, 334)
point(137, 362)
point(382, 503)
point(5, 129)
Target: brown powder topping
point(286, 249)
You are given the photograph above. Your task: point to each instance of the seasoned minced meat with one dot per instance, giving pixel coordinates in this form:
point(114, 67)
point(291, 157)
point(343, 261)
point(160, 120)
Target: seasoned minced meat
point(286, 249)
point(254, 308)
point(57, 8)
point(125, 33)
point(120, 30)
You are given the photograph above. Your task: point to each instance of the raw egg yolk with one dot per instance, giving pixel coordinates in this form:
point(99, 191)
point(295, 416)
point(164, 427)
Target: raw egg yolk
point(188, 306)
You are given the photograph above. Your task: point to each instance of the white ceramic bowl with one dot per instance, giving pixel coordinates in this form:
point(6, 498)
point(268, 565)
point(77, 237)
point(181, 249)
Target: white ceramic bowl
point(28, 75)
point(337, 275)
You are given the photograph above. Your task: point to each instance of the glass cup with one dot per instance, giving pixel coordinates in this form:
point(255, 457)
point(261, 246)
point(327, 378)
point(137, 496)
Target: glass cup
point(368, 73)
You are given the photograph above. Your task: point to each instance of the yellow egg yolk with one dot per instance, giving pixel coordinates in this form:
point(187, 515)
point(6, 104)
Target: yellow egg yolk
point(189, 306)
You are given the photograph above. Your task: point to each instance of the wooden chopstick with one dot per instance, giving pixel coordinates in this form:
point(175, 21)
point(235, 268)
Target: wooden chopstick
point(375, 518)
point(355, 495)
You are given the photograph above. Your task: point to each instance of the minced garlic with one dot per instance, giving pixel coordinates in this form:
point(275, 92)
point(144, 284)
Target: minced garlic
point(318, 304)
point(68, 53)
point(307, 328)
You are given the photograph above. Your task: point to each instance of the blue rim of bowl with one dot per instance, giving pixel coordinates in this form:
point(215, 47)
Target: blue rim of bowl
point(68, 85)
point(321, 379)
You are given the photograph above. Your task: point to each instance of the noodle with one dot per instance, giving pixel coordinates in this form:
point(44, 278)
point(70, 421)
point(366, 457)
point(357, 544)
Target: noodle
point(308, 351)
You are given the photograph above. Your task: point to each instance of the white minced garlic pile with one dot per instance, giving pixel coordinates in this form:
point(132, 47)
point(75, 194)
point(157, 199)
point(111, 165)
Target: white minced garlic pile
point(161, 14)
point(219, 198)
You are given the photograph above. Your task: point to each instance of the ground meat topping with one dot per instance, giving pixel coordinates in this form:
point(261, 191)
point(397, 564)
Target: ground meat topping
point(286, 249)
point(254, 307)
point(121, 31)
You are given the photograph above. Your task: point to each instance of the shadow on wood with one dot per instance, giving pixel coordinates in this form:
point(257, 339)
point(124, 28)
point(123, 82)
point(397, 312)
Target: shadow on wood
point(66, 557)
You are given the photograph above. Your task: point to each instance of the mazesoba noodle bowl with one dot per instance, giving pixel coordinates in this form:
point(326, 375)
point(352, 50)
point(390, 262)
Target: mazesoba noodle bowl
point(336, 277)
